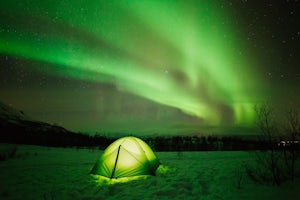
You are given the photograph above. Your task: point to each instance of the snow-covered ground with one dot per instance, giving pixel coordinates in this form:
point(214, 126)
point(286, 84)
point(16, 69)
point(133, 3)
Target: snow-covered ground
point(63, 173)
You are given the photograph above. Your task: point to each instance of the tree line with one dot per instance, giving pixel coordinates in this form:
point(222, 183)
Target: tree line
point(40, 133)
point(44, 134)
point(204, 143)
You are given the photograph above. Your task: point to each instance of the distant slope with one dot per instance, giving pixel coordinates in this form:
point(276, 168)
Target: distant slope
point(10, 113)
point(12, 119)
point(17, 127)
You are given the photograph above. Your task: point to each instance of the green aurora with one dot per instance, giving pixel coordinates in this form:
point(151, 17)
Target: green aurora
point(184, 55)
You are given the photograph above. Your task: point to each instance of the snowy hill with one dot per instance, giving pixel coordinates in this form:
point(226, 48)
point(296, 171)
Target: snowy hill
point(12, 119)
point(10, 113)
point(17, 127)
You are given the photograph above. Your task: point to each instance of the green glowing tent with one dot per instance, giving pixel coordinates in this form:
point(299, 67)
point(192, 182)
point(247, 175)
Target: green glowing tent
point(127, 156)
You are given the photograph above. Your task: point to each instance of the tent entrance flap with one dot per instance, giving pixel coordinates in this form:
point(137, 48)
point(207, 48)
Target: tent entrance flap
point(113, 172)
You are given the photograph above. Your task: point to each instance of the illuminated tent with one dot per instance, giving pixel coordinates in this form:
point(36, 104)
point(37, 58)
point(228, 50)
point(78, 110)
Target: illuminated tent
point(127, 156)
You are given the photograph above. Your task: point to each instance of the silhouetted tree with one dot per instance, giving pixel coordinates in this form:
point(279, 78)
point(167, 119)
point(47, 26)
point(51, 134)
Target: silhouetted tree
point(267, 161)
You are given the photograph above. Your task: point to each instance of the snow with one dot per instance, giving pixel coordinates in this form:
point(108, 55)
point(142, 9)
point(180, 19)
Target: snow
point(63, 173)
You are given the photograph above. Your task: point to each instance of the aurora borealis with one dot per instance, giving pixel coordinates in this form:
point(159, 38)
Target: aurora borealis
point(134, 65)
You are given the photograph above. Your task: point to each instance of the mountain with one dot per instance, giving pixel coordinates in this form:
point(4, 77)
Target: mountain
point(17, 127)
point(11, 114)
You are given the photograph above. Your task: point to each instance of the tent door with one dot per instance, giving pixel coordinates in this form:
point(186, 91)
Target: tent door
point(113, 172)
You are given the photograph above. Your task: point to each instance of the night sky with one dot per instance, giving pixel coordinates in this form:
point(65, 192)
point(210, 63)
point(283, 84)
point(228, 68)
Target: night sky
point(149, 67)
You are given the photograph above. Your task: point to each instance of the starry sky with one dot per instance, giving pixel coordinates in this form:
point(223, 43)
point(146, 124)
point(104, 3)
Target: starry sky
point(149, 67)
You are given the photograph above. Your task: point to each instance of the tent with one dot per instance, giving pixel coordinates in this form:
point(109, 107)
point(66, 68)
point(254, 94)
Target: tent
point(127, 156)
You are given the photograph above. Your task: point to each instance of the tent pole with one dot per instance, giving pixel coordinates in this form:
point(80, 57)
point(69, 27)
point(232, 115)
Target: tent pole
point(112, 174)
